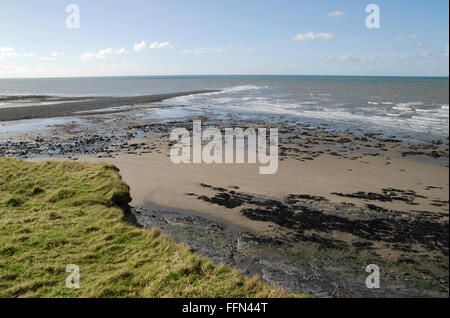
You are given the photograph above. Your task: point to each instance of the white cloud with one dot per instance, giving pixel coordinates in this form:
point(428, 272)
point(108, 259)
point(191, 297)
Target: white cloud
point(407, 37)
point(140, 46)
point(336, 14)
point(408, 45)
point(158, 45)
point(121, 51)
point(103, 54)
point(342, 58)
point(375, 61)
point(446, 52)
point(8, 52)
point(313, 36)
point(151, 46)
point(202, 51)
point(55, 56)
point(405, 47)
point(423, 45)
point(347, 58)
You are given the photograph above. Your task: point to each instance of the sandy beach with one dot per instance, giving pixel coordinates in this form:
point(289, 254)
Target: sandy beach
point(339, 201)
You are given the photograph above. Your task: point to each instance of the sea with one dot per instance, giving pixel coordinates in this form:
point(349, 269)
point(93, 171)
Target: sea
point(406, 107)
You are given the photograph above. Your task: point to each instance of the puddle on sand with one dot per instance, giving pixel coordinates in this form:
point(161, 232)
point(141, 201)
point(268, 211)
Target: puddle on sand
point(164, 114)
point(34, 126)
point(108, 109)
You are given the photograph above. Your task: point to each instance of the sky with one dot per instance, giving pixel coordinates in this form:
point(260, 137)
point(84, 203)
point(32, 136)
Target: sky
point(204, 37)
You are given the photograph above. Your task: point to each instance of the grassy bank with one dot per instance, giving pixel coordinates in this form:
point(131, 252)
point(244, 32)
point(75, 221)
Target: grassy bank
point(53, 214)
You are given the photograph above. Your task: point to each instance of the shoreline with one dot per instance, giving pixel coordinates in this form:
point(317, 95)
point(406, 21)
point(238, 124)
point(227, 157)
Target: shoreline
point(74, 107)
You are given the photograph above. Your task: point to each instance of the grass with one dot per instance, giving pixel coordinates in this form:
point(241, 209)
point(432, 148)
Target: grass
point(53, 214)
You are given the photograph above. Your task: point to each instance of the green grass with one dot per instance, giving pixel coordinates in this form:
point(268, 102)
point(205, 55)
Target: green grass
point(53, 214)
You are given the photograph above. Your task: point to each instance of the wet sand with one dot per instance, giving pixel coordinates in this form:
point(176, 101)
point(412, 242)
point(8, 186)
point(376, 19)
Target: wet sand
point(154, 178)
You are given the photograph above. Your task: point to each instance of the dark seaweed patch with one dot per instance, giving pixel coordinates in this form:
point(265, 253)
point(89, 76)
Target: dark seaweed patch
point(296, 216)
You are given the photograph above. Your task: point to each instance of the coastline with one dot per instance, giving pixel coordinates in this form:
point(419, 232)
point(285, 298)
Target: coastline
point(339, 200)
point(78, 105)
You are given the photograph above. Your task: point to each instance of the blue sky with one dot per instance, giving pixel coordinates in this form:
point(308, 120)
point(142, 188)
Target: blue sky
point(178, 37)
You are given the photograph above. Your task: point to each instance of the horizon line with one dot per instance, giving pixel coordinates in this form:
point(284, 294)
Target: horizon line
point(214, 75)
